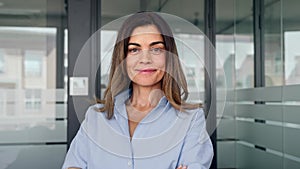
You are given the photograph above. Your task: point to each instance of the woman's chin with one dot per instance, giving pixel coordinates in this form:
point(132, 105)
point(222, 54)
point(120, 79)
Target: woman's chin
point(146, 82)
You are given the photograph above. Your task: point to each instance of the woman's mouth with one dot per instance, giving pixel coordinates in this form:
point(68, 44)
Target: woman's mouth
point(146, 71)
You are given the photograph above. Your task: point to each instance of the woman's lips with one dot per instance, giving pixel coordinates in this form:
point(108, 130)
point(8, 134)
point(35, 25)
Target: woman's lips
point(146, 71)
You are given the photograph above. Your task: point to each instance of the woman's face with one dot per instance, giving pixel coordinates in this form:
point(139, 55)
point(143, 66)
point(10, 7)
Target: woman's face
point(146, 57)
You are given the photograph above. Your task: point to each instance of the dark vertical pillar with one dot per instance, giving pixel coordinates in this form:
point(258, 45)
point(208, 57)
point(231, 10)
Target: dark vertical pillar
point(60, 69)
point(79, 31)
point(84, 19)
point(259, 59)
point(96, 48)
point(210, 74)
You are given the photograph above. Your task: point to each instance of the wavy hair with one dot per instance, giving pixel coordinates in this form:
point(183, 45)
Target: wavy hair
point(174, 83)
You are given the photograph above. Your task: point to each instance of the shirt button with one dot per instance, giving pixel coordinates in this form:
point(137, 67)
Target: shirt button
point(129, 163)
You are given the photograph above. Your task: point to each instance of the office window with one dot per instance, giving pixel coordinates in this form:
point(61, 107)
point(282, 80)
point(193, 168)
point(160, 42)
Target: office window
point(273, 44)
point(33, 101)
point(32, 106)
point(33, 63)
point(244, 43)
point(292, 57)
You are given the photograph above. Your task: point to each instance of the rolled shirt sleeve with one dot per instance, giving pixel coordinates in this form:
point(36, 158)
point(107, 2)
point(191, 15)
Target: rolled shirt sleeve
point(197, 150)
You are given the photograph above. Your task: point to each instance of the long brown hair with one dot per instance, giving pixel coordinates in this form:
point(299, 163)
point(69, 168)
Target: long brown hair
point(174, 84)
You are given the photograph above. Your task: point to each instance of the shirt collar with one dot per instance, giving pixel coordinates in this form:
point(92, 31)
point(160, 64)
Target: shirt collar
point(119, 104)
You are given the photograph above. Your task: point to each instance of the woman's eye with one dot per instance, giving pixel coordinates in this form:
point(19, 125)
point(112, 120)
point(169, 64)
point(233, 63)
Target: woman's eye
point(156, 51)
point(133, 51)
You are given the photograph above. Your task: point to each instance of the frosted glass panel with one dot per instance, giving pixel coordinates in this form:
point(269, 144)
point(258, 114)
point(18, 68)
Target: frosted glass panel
point(268, 136)
point(289, 93)
point(291, 164)
point(229, 109)
point(61, 110)
point(292, 114)
point(260, 111)
point(291, 141)
point(32, 115)
point(267, 117)
point(252, 158)
point(260, 94)
point(32, 157)
point(226, 154)
point(226, 129)
point(29, 132)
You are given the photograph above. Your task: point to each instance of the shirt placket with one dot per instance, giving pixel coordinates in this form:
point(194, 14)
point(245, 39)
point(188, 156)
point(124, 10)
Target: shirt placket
point(123, 123)
point(131, 162)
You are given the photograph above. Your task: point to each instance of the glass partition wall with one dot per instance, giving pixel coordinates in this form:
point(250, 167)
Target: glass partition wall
point(257, 43)
point(32, 84)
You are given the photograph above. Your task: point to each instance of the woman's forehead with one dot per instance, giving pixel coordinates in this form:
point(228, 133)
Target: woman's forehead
point(147, 29)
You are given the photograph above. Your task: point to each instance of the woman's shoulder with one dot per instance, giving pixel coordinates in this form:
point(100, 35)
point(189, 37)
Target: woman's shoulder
point(197, 115)
point(196, 111)
point(93, 111)
point(93, 118)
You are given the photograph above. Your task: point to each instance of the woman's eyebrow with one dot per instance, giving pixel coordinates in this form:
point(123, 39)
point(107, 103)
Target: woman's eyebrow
point(157, 42)
point(151, 44)
point(135, 44)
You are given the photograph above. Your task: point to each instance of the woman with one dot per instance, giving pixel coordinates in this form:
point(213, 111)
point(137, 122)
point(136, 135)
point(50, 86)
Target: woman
point(143, 121)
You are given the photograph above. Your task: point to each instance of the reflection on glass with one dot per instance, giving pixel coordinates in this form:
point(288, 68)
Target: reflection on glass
point(234, 44)
point(292, 57)
point(32, 108)
point(226, 54)
point(28, 79)
point(32, 101)
point(291, 39)
point(273, 47)
point(33, 63)
point(244, 61)
point(244, 45)
point(194, 14)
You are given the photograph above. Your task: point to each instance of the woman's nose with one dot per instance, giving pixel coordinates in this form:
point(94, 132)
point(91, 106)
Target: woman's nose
point(145, 57)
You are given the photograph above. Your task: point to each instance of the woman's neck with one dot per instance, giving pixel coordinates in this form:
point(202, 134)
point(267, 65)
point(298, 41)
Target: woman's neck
point(145, 97)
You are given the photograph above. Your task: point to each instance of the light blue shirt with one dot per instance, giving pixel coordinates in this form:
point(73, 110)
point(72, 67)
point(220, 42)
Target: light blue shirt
point(164, 139)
